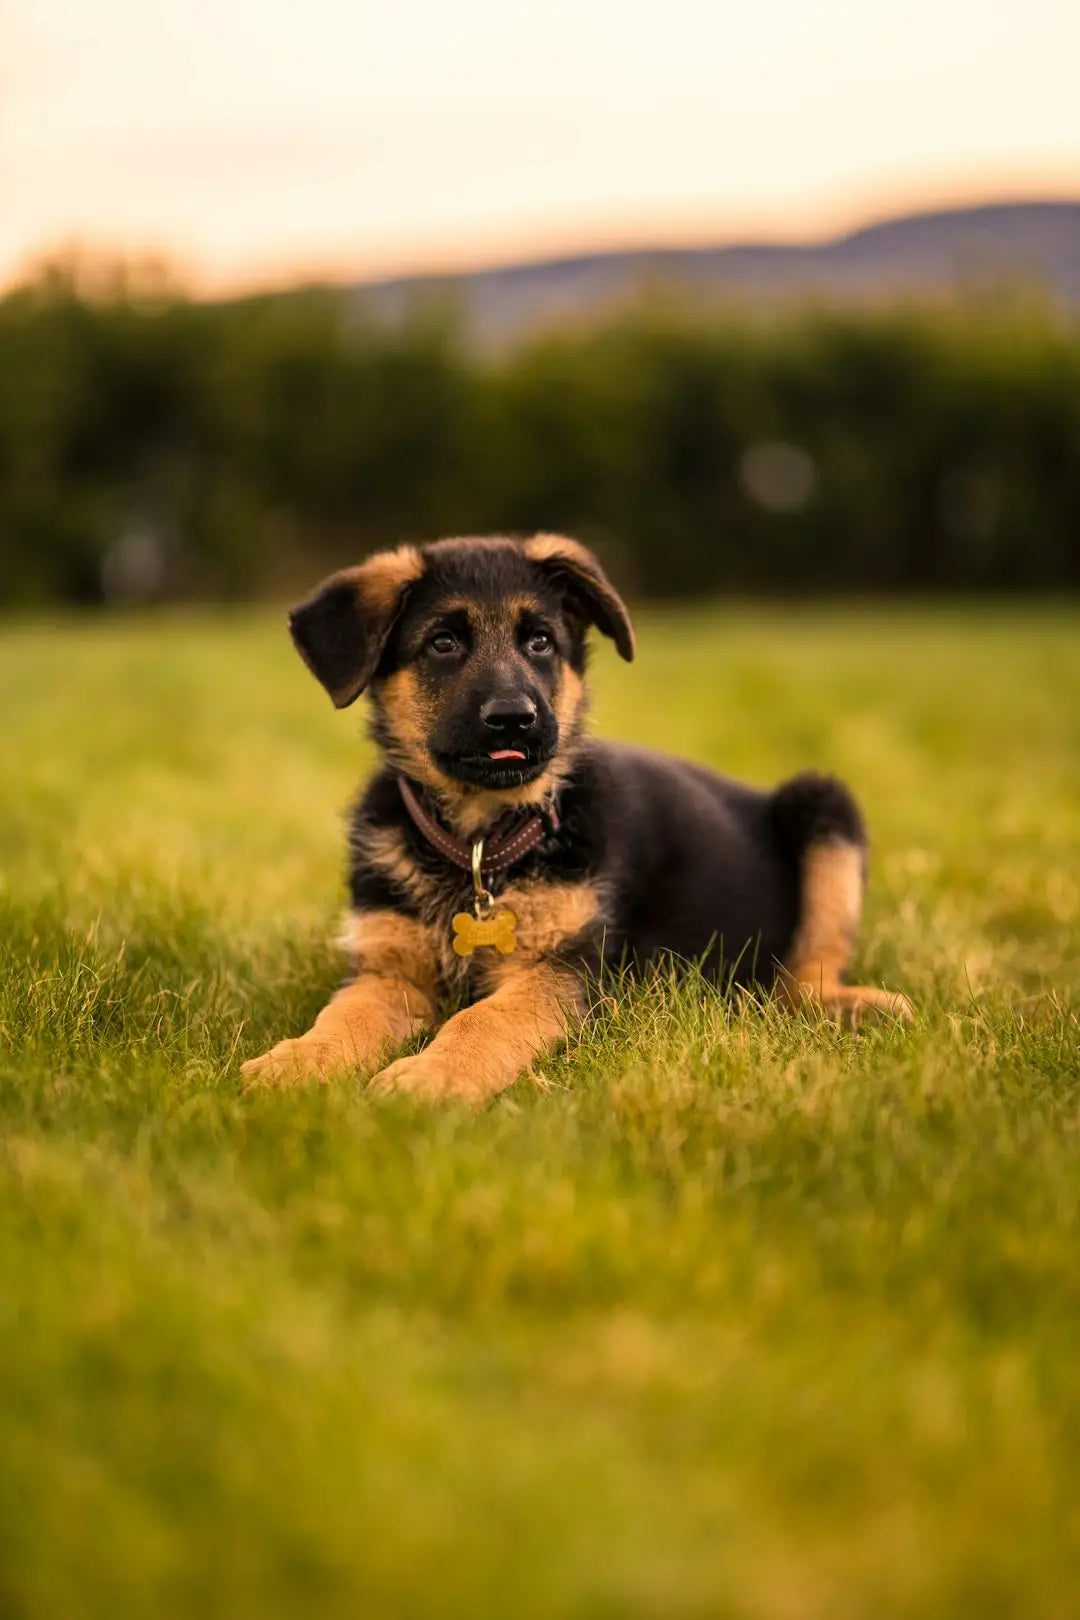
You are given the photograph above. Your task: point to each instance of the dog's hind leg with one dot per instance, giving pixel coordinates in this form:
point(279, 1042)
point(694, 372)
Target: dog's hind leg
point(819, 822)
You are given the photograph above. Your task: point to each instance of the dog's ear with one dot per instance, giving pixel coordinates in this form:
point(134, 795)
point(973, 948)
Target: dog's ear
point(587, 585)
point(341, 631)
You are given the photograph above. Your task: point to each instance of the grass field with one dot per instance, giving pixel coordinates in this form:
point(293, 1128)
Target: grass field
point(735, 1316)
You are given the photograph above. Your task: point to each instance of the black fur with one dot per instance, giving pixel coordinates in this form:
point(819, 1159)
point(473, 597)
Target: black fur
point(814, 809)
point(339, 641)
point(475, 653)
point(690, 864)
point(686, 863)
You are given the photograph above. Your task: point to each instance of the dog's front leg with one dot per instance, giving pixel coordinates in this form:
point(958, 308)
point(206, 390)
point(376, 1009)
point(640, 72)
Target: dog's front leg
point(374, 1013)
point(391, 998)
point(484, 1048)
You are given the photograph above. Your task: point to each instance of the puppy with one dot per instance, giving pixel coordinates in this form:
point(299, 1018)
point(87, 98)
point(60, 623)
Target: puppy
point(503, 861)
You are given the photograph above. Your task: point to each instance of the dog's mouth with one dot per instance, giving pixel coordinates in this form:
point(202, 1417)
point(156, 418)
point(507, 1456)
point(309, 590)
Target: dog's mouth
point(505, 767)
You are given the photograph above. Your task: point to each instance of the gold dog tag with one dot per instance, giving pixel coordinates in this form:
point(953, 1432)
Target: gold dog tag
point(498, 930)
point(487, 926)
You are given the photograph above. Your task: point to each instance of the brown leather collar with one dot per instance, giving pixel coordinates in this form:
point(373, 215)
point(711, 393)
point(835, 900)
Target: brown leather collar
point(511, 837)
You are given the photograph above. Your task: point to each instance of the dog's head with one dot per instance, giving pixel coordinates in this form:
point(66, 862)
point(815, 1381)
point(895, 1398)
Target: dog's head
point(474, 651)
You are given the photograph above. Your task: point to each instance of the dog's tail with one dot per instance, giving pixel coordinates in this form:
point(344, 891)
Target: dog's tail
point(821, 832)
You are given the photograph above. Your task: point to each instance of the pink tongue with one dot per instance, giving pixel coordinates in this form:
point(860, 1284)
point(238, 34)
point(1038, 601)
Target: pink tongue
point(506, 753)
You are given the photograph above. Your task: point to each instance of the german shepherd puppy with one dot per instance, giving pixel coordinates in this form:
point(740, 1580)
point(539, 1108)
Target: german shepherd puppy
point(502, 860)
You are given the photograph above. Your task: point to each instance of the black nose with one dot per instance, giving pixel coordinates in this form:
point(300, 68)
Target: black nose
point(509, 713)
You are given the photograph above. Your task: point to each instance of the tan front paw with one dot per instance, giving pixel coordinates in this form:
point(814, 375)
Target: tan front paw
point(429, 1075)
point(301, 1062)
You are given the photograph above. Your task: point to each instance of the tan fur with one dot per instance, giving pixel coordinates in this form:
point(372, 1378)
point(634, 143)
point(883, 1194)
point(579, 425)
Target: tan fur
point(576, 559)
point(377, 584)
point(401, 699)
point(469, 810)
point(546, 548)
point(569, 703)
point(832, 891)
point(392, 997)
point(492, 617)
point(384, 576)
point(831, 904)
point(374, 1014)
point(850, 1003)
point(529, 1001)
point(489, 614)
point(409, 719)
point(387, 942)
point(548, 914)
point(483, 1048)
point(385, 848)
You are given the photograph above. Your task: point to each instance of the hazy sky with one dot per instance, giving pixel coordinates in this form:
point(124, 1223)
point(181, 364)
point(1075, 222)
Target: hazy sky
point(254, 139)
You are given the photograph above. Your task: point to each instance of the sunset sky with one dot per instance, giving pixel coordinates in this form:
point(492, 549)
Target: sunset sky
point(255, 140)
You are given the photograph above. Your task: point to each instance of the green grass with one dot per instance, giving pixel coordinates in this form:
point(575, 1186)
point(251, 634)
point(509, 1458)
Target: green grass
point(736, 1316)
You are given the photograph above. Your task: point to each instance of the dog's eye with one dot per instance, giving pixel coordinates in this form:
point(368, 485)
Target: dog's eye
point(442, 643)
point(539, 642)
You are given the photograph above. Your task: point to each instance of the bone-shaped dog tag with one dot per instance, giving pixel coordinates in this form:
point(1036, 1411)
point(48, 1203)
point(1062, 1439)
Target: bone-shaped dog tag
point(498, 930)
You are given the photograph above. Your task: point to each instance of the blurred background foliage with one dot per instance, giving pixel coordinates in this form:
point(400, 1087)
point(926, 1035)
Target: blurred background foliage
point(153, 447)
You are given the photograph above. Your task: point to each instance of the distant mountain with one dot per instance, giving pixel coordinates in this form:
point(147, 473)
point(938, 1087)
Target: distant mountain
point(916, 255)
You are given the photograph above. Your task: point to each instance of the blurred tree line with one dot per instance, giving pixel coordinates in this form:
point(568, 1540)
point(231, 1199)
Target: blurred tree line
point(152, 446)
